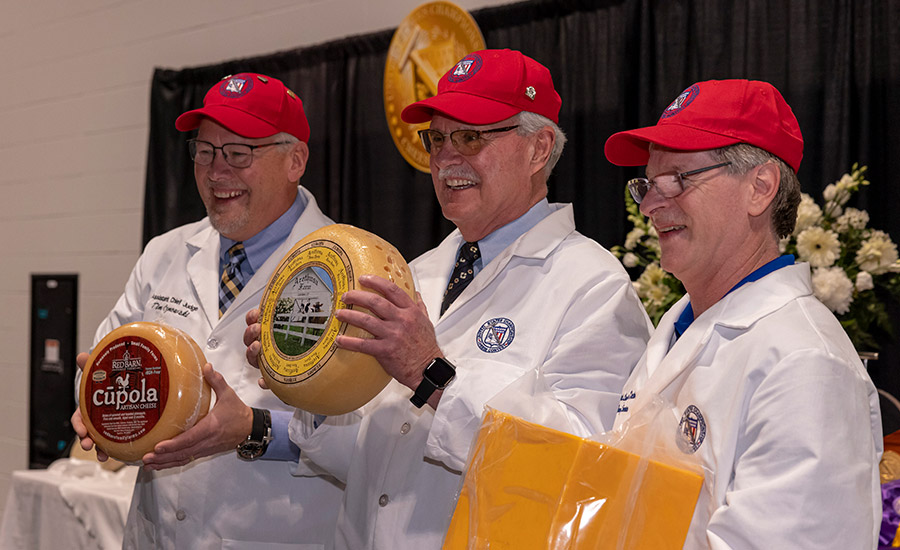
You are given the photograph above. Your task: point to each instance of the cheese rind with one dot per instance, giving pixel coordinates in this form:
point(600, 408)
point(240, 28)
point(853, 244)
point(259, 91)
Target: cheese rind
point(142, 384)
point(528, 486)
point(299, 359)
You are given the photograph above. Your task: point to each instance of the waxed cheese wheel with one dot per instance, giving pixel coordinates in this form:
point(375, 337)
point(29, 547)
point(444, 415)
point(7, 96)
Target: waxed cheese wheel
point(298, 358)
point(141, 385)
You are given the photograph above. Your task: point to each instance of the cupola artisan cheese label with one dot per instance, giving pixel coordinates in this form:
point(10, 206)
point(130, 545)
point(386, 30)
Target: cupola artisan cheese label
point(299, 358)
point(141, 385)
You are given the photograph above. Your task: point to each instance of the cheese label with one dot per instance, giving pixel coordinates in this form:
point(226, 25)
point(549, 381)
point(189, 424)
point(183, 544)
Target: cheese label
point(127, 389)
point(298, 310)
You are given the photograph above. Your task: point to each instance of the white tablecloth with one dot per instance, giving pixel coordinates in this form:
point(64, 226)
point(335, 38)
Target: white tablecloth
point(72, 504)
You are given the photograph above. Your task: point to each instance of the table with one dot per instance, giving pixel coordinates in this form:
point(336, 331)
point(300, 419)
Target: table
point(74, 504)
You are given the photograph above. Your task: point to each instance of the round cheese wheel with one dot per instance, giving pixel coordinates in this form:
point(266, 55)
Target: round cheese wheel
point(298, 358)
point(141, 385)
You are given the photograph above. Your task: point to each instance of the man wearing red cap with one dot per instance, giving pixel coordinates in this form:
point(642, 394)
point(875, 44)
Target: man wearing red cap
point(514, 289)
point(195, 491)
point(771, 395)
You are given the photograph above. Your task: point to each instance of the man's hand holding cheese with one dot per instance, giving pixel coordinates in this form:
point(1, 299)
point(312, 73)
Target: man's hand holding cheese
point(513, 289)
point(228, 423)
point(229, 479)
point(78, 423)
point(402, 339)
point(403, 336)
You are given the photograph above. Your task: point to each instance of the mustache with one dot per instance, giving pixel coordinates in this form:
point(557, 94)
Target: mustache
point(215, 185)
point(458, 172)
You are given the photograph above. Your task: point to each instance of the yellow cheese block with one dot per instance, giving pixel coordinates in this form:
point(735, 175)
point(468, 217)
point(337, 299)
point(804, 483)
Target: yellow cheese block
point(528, 486)
point(298, 357)
point(141, 385)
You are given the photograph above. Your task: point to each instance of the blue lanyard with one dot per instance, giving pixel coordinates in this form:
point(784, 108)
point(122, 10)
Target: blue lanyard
point(687, 316)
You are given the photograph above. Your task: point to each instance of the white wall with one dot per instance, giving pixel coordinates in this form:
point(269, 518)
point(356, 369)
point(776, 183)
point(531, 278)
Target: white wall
point(74, 106)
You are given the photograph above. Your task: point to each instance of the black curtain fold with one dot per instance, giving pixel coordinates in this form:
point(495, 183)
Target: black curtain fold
point(617, 65)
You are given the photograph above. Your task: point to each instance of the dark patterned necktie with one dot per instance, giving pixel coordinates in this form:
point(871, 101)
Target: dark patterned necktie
point(463, 273)
point(232, 277)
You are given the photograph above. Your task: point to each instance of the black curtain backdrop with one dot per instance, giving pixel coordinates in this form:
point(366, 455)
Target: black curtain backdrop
point(617, 65)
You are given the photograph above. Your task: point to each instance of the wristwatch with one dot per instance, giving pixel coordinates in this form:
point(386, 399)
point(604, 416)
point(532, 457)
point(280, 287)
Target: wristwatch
point(260, 435)
point(437, 375)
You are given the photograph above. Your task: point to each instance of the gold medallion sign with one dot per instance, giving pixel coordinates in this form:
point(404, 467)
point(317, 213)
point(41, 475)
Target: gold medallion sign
point(427, 43)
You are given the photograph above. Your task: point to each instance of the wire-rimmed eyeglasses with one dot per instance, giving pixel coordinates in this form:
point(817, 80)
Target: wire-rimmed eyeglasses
point(669, 185)
point(467, 141)
point(237, 155)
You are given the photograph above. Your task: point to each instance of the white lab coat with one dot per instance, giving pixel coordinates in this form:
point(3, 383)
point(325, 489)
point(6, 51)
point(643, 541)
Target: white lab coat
point(219, 501)
point(574, 312)
point(792, 424)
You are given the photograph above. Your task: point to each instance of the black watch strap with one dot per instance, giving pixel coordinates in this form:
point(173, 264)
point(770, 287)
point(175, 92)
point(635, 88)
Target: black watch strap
point(436, 376)
point(262, 421)
point(422, 393)
point(260, 435)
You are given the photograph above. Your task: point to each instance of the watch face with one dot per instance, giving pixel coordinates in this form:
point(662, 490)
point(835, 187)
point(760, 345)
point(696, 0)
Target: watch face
point(250, 450)
point(440, 372)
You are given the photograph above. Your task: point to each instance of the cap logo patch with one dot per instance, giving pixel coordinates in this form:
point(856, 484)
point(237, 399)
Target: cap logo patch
point(681, 102)
point(236, 87)
point(495, 335)
point(530, 92)
point(691, 430)
point(466, 68)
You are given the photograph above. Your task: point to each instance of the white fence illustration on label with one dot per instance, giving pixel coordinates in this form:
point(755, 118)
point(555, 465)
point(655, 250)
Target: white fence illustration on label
point(305, 323)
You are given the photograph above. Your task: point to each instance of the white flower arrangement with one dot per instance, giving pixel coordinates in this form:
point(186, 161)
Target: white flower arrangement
point(855, 269)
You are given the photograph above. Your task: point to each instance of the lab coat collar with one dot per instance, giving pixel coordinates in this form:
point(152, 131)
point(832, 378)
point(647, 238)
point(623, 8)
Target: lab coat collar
point(536, 243)
point(734, 313)
point(203, 248)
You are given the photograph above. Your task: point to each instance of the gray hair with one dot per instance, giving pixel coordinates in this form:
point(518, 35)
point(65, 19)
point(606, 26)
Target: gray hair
point(743, 158)
point(529, 123)
point(288, 139)
point(287, 143)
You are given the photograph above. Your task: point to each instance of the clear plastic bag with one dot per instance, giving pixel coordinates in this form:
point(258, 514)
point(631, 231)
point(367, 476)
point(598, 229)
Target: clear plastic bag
point(528, 485)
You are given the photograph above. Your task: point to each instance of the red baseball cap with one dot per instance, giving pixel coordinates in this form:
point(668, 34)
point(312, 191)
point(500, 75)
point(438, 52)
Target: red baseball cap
point(713, 114)
point(250, 105)
point(488, 86)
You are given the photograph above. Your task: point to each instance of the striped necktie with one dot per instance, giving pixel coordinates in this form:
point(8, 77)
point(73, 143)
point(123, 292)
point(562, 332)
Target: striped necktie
point(463, 273)
point(232, 277)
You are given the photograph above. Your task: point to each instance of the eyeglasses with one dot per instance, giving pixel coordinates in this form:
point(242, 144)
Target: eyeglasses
point(668, 186)
point(468, 142)
point(237, 155)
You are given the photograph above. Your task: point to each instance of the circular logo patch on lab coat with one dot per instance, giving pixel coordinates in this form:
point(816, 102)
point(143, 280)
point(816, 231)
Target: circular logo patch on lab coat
point(495, 335)
point(691, 430)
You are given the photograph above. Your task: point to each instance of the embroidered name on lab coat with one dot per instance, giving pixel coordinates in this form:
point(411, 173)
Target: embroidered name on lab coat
point(171, 304)
point(624, 399)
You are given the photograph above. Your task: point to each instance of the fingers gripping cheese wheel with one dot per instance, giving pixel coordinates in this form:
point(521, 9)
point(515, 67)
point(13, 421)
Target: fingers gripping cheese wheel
point(298, 358)
point(141, 385)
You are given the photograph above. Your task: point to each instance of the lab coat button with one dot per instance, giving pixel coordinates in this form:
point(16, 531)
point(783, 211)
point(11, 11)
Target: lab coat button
point(404, 429)
point(180, 515)
point(212, 343)
point(383, 500)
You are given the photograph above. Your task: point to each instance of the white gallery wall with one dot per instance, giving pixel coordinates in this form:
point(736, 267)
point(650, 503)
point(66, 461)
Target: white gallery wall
point(74, 107)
